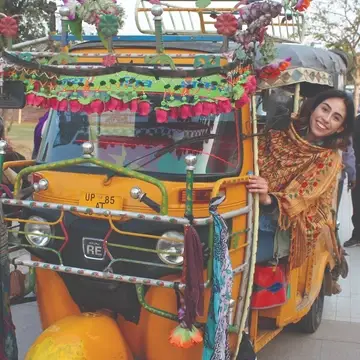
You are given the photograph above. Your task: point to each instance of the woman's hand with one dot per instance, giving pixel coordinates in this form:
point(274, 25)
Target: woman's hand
point(259, 185)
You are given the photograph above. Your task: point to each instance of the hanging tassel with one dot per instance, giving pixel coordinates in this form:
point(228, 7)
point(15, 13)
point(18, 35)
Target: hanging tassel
point(193, 276)
point(184, 338)
point(186, 335)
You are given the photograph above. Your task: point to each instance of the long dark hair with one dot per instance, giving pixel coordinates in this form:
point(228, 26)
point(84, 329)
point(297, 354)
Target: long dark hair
point(336, 141)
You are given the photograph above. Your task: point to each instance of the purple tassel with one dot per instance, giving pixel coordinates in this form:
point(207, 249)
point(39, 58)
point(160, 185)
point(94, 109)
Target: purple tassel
point(193, 277)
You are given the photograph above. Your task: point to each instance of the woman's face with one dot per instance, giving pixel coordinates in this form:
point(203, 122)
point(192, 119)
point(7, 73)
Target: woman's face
point(328, 118)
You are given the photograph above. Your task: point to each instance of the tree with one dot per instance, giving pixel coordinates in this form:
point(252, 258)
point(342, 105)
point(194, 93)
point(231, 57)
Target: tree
point(35, 16)
point(336, 23)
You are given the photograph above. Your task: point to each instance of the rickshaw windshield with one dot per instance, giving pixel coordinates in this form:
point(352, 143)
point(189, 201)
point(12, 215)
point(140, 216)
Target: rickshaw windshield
point(141, 143)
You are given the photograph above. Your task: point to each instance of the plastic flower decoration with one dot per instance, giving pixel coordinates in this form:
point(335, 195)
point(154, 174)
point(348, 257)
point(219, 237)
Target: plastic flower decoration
point(109, 60)
point(108, 25)
point(226, 24)
point(9, 27)
point(72, 5)
point(90, 11)
point(302, 5)
point(272, 71)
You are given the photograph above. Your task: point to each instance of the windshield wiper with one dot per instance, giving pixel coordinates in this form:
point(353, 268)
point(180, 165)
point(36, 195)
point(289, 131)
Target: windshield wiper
point(160, 152)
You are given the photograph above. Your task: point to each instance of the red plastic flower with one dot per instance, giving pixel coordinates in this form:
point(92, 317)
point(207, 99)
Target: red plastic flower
point(161, 116)
point(113, 104)
point(133, 106)
point(185, 111)
point(242, 101)
point(30, 99)
point(54, 103)
point(144, 108)
point(207, 108)
point(250, 86)
point(75, 106)
point(174, 112)
point(197, 109)
point(302, 5)
point(63, 105)
point(224, 106)
point(9, 27)
point(97, 106)
point(226, 24)
point(109, 60)
point(38, 101)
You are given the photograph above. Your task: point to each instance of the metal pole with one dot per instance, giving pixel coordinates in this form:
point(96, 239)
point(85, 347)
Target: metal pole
point(19, 116)
point(64, 13)
point(3, 146)
point(157, 12)
point(190, 161)
point(31, 42)
point(297, 98)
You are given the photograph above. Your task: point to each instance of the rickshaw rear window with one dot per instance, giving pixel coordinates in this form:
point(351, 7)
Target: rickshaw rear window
point(140, 143)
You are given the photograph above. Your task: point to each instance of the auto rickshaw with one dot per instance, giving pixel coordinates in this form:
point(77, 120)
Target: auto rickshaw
point(131, 260)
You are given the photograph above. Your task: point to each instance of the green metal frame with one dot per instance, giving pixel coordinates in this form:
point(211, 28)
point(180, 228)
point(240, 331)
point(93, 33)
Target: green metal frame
point(118, 170)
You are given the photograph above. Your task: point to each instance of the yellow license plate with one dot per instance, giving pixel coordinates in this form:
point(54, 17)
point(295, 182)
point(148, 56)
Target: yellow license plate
point(101, 201)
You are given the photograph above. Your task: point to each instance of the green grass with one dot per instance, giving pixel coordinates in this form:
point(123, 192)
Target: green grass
point(21, 138)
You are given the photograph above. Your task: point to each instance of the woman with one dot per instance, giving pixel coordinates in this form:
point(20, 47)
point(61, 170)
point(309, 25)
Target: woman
point(299, 169)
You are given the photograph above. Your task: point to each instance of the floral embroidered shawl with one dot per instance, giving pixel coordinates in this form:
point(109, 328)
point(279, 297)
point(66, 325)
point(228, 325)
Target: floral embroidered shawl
point(303, 178)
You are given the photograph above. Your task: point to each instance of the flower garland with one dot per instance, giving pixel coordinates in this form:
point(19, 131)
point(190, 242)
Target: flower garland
point(181, 100)
point(106, 15)
point(273, 70)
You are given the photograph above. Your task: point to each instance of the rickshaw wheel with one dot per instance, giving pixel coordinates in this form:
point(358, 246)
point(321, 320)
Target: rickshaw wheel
point(312, 320)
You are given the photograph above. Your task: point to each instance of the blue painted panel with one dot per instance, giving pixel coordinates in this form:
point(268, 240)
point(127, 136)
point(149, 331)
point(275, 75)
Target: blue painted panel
point(148, 38)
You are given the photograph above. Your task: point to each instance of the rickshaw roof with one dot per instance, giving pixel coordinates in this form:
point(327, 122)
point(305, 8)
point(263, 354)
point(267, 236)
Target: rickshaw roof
point(301, 55)
point(311, 63)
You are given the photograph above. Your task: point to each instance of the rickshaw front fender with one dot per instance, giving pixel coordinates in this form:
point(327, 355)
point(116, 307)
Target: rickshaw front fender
point(86, 336)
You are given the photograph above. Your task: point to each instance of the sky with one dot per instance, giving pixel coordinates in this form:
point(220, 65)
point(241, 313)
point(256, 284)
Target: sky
point(130, 27)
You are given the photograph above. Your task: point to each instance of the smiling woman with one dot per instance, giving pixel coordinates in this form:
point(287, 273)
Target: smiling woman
point(327, 119)
point(299, 168)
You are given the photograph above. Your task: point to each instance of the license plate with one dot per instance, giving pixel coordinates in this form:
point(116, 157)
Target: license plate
point(101, 201)
point(93, 248)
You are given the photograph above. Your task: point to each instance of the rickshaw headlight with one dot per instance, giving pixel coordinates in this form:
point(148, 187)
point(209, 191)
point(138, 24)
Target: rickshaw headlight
point(38, 234)
point(171, 251)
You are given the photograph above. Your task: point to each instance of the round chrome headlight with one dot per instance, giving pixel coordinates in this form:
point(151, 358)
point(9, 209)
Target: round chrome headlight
point(171, 251)
point(38, 234)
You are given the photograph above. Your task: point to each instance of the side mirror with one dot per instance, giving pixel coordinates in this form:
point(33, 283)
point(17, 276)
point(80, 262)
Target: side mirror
point(12, 95)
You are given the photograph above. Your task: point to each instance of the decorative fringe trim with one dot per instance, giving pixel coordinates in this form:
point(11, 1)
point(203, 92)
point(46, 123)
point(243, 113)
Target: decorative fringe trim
point(184, 338)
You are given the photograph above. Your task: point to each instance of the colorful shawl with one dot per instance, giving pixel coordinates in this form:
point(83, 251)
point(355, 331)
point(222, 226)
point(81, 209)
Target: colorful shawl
point(303, 178)
point(216, 344)
point(8, 346)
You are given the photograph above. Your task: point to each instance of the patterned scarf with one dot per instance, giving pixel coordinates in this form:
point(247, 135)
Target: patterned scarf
point(303, 178)
point(216, 344)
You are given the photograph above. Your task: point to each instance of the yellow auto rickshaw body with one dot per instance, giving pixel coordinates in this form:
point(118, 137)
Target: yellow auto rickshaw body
point(73, 192)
